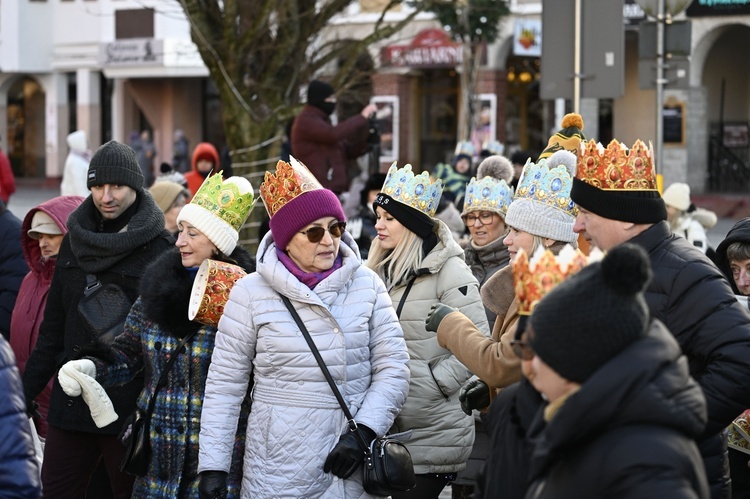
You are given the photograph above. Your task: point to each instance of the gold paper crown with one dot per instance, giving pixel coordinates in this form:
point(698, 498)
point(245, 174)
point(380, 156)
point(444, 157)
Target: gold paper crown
point(290, 180)
point(532, 280)
point(232, 199)
point(616, 168)
point(416, 191)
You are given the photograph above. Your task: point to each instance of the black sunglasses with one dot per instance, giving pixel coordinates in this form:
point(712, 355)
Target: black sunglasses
point(315, 234)
point(522, 349)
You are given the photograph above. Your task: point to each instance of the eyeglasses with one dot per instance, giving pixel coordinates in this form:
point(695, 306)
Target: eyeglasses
point(315, 234)
point(522, 349)
point(484, 217)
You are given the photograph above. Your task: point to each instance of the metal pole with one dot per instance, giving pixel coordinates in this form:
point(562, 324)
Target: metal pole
point(577, 59)
point(660, 81)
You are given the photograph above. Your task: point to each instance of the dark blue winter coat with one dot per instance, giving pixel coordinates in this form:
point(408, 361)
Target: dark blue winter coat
point(13, 267)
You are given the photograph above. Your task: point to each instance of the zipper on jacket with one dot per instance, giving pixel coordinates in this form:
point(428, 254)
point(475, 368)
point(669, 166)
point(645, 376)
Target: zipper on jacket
point(446, 397)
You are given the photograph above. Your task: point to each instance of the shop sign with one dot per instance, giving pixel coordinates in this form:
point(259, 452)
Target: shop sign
point(430, 48)
point(132, 52)
point(527, 38)
point(718, 8)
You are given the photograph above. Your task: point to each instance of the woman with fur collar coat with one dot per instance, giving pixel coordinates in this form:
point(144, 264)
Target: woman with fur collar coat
point(156, 324)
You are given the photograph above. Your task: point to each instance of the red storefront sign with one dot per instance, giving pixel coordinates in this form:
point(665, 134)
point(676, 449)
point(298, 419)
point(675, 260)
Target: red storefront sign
point(430, 48)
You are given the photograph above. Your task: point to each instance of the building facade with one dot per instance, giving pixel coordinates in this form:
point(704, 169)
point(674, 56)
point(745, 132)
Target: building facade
point(116, 67)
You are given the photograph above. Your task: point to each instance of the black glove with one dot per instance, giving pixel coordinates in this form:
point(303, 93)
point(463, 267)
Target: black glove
point(213, 485)
point(346, 457)
point(31, 409)
point(437, 313)
point(474, 395)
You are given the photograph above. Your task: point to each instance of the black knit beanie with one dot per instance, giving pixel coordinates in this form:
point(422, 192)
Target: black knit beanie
point(591, 317)
point(318, 91)
point(639, 207)
point(411, 218)
point(115, 163)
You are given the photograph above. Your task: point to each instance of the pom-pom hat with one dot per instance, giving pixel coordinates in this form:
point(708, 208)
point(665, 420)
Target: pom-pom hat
point(219, 209)
point(489, 190)
point(294, 198)
point(677, 195)
point(591, 317)
point(567, 138)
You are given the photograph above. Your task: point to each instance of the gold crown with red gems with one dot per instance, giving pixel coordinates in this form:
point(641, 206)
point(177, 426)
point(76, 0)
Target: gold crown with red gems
point(289, 181)
point(617, 168)
point(533, 279)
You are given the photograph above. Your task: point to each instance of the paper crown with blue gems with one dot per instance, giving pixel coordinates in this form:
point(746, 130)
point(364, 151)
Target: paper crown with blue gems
point(488, 194)
point(541, 205)
point(415, 191)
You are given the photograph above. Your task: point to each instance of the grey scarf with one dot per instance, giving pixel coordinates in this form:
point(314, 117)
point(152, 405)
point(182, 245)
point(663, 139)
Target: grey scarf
point(99, 251)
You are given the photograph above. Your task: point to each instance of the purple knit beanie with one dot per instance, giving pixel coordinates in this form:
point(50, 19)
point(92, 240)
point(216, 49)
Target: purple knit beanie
point(302, 210)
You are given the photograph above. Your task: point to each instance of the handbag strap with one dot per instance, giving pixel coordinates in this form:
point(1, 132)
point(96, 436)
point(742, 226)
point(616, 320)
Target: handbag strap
point(326, 373)
point(163, 378)
point(402, 301)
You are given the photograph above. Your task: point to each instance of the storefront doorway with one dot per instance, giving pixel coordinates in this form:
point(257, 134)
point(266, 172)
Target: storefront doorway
point(25, 139)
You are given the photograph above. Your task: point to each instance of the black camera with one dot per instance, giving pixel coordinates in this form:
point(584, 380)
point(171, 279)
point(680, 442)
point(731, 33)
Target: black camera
point(374, 136)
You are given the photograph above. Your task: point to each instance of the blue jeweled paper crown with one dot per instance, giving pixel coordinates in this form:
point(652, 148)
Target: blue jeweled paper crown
point(467, 148)
point(416, 191)
point(550, 186)
point(488, 194)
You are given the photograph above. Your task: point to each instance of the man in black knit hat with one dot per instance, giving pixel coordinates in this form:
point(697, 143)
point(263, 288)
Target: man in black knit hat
point(111, 237)
point(323, 147)
point(618, 202)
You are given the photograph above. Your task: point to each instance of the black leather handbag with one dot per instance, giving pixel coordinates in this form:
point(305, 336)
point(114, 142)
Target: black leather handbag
point(388, 467)
point(137, 443)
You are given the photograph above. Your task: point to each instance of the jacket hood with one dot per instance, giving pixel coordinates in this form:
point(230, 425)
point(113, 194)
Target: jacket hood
point(282, 281)
point(166, 287)
point(739, 233)
point(59, 209)
point(443, 250)
point(205, 150)
point(78, 142)
point(646, 384)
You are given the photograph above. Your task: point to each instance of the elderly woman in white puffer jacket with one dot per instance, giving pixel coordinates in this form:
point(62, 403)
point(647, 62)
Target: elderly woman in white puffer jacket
point(298, 443)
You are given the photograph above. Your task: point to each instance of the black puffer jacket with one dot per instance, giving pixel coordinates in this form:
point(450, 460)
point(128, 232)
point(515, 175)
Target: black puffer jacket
point(740, 233)
point(63, 336)
point(693, 299)
point(628, 432)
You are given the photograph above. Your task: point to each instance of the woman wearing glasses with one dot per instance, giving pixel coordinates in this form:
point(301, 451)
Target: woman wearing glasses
point(541, 215)
point(421, 264)
point(300, 445)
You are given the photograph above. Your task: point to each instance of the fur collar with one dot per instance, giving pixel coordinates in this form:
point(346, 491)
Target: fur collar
point(166, 286)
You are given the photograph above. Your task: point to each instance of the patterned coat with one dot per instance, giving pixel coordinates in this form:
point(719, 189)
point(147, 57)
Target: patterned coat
point(295, 419)
point(155, 325)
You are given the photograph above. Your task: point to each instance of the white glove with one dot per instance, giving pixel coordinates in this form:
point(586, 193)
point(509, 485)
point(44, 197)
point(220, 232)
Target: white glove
point(67, 376)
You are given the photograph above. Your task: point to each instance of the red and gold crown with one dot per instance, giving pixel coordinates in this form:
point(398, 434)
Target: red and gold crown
point(616, 168)
point(533, 279)
point(290, 180)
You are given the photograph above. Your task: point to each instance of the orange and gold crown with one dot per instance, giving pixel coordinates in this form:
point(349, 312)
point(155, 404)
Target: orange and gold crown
point(533, 279)
point(616, 168)
point(290, 180)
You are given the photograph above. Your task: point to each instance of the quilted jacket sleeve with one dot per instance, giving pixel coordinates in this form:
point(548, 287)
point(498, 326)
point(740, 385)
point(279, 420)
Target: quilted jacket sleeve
point(390, 366)
point(228, 376)
point(458, 288)
point(19, 469)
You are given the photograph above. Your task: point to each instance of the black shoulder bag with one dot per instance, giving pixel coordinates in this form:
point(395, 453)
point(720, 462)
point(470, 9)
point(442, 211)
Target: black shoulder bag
point(137, 446)
point(387, 463)
point(103, 309)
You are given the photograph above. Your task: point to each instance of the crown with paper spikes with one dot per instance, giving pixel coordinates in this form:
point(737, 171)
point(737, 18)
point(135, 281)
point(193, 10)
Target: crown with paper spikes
point(549, 186)
point(290, 180)
point(488, 194)
point(231, 200)
point(467, 148)
point(616, 168)
point(415, 191)
point(533, 279)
